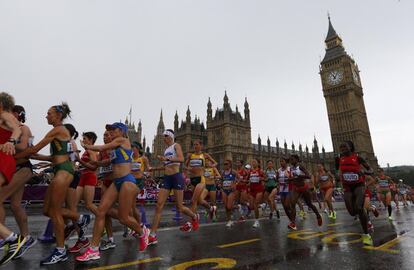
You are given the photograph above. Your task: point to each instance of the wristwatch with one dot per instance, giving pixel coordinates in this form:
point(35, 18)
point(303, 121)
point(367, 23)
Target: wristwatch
point(13, 141)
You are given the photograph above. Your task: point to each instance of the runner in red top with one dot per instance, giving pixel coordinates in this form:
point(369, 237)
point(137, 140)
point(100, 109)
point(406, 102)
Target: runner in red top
point(256, 177)
point(242, 187)
point(86, 187)
point(353, 181)
point(9, 135)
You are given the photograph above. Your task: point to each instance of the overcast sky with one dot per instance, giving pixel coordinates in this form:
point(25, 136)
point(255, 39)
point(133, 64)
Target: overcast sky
point(104, 56)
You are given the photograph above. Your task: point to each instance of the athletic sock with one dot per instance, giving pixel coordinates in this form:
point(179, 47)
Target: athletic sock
point(111, 239)
point(11, 237)
point(94, 248)
point(389, 210)
point(61, 249)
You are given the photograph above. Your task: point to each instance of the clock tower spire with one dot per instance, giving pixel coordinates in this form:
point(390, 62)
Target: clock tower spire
point(344, 98)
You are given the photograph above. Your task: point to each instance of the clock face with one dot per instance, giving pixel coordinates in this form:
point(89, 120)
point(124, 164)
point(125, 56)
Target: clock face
point(335, 77)
point(355, 75)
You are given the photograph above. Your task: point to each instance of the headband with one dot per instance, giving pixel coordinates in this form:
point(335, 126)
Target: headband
point(169, 134)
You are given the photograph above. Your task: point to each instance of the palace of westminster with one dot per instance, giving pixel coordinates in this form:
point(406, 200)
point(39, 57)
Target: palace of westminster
point(227, 132)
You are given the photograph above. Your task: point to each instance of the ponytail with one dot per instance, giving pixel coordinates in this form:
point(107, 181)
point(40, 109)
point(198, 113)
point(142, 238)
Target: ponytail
point(63, 109)
point(74, 134)
point(21, 113)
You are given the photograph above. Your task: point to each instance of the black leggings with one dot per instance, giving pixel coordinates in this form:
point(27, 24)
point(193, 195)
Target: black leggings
point(354, 197)
point(294, 197)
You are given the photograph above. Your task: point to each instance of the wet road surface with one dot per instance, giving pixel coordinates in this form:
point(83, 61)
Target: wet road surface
point(335, 245)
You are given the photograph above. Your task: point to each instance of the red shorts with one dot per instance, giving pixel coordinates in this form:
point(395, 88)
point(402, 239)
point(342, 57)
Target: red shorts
point(300, 189)
point(88, 179)
point(7, 166)
point(255, 189)
point(242, 187)
point(368, 193)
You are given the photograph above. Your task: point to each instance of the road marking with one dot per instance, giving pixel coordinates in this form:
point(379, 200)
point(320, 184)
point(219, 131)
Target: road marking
point(239, 243)
point(222, 263)
point(331, 238)
point(307, 234)
point(334, 224)
point(122, 265)
point(386, 247)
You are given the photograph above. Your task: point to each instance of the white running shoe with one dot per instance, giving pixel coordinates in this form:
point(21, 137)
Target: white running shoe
point(229, 224)
point(256, 224)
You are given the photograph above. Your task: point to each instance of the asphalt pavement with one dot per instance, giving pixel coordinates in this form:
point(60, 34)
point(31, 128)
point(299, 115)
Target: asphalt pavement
point(335, 245)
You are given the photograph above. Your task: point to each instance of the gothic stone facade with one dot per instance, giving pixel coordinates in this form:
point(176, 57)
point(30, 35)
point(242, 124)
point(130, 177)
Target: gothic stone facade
point(227, 134)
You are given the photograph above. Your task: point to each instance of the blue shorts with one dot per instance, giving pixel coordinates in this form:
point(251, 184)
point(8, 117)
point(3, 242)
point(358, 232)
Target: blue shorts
point(127, 178)
point(175, 181)
point(284, 194)
point(227, 191)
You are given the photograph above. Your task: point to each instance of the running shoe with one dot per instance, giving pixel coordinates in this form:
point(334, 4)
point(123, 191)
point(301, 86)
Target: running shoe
point(83, 225)
point(334, 215)
point(271, 215)
point(105, 245)
point(55, 257)
point(240, 209)
point(302, 214)
point(69, 229)
point(374, 211)
point(330, 215)
point(195, 223)
point(2, 243)
point(292, 226)
point(241, 219)
point(370, 227)
point(367, 240)
point(319, 218)
point(152, 240)
point(89, 255)
point(256, 224)
point(12, 248)
point(326, 211)
point(278, 214)
point(187, 227)
point(229, 224)
point(143, 239)
point(80, 244)
point(214, 213)
point(390, 218)
point(30, 242)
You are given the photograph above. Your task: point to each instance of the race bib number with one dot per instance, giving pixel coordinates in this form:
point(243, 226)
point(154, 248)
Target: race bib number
point(271, 176)
point(254, 179)
point(196, 163)
point(383, 184)
point(324, 178)
point(136, 166)
point(105, 170)
point(227, 183)
point(351, 177)
point(207, 174)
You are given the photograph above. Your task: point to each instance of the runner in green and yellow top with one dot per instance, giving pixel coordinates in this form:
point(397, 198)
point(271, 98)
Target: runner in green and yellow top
point(384, 190)
point(271, 189)
point(196, 163)
point(211, 175)
point(139, 166)
point(59, 140)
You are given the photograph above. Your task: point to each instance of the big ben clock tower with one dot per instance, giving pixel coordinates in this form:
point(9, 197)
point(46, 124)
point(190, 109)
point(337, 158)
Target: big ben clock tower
point(344, 97)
